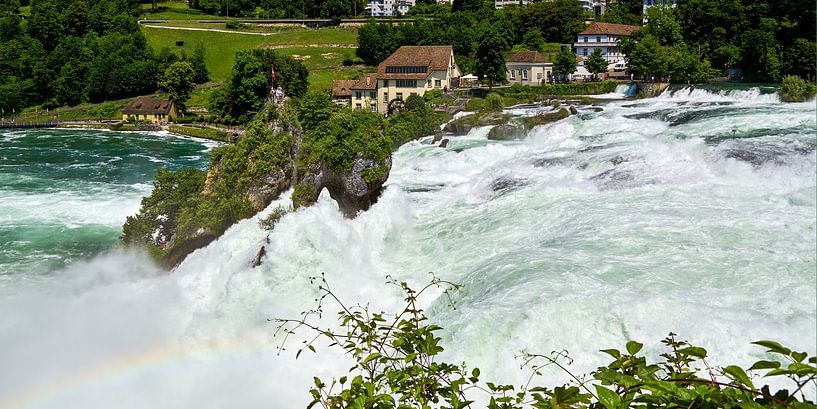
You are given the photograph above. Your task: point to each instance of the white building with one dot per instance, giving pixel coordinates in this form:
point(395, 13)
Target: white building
point(603, 36)
point(650, 3)
point(528, 68)
point(504, 3)
point(597, 7)
point(381, 8)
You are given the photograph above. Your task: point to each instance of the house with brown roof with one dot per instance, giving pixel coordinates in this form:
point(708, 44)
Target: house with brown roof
point(415, 70)
point(364, 92)
point(528, 68)
point(342, 91)
point(150, 109)
point(603, 36)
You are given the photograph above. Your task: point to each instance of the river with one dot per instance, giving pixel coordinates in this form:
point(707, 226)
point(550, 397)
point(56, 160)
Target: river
point(692, 212)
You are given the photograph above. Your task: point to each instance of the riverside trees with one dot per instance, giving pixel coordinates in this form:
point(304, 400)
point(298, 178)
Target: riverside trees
point(70, 51)
point(765, 39)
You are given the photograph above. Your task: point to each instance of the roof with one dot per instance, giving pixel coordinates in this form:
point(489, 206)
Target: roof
point(528, 57)
point(367, 82)
point(610, 29)
point(342, 88)
point(148, 105)
point(420, 61)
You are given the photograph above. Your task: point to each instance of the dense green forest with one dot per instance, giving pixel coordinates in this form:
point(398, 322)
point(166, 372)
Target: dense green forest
point(64, 52)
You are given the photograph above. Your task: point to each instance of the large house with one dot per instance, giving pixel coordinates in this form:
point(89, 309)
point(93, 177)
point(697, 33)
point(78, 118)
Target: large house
point(381, 8)
point(603, 36)
point(528, 68)
point(505, 3)
point(413, 70)
point(342, 91)
point(364, 93)
point(150, 109)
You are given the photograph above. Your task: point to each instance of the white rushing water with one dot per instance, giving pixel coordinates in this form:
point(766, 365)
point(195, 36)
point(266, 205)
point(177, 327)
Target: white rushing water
point(693, 212)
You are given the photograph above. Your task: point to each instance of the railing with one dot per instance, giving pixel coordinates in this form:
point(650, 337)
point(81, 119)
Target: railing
point(21, 125)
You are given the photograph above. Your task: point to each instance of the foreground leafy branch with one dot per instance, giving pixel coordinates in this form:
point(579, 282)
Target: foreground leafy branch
point(397, 365)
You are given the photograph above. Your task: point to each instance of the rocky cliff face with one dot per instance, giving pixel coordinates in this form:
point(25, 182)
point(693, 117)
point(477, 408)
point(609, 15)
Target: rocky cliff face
point(258, 170)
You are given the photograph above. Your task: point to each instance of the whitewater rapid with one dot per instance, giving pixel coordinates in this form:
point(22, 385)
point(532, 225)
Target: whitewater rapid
point(693, 212)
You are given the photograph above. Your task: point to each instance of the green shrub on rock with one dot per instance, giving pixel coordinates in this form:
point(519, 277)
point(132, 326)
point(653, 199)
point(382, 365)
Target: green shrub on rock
point(796, 89)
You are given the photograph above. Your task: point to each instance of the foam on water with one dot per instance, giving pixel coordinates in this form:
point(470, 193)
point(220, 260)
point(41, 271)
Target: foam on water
point(594, 230)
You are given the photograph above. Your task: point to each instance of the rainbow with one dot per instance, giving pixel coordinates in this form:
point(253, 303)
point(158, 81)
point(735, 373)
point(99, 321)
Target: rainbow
point(131, 367)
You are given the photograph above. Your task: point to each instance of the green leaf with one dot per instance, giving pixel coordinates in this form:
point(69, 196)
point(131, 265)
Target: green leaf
point(773, 347)
point(765, 365)
point(612, 352)
point(737, 373)
point(633, 347)
point(342, 380)
point(608, 398)
point(799, 356)
point(475, 373)
point(372, 356)
point(697, 352)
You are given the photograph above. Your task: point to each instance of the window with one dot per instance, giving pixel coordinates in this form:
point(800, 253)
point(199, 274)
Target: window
point(513, 74)
point(358, 94)
point(586, 39)
point(406, 83)
point(374, 107)
point(385, 97)
point(538, 75)
point(611, 50)
point(399, 95)
point(438, 83)
point(584, 52)
point(373, 94)
point(407, 70)
point(598, 39)
point(429, 83)
point(386, 83)
point(357, 105)
point(524, 74)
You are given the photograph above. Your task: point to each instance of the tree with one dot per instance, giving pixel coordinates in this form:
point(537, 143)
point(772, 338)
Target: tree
point(314, 108)
point(376, 42)
point(199, 65)
point(595, 63)
point(623, 12)
point(467, 5)
point(178, 81)
point(533, 40)
point(649, 57)
point(558, 20)
point(565, 63)
point(490, 62)
point(415, 103)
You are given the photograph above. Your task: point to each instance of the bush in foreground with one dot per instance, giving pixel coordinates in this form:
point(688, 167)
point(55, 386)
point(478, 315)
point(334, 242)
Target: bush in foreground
point(398, 366)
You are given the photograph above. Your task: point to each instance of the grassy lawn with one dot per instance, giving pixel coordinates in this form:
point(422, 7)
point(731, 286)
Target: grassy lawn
point(173, 10)
point(221, 47)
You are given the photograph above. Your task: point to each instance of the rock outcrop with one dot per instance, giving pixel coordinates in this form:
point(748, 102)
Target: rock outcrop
point(519, 127)
point(463, 125)
point(354, 190)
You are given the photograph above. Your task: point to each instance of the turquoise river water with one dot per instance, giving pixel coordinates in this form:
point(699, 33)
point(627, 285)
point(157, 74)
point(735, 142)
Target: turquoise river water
point(693, 212)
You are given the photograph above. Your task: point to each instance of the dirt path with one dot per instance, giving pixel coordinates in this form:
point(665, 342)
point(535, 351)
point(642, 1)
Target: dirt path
point(214, 30)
